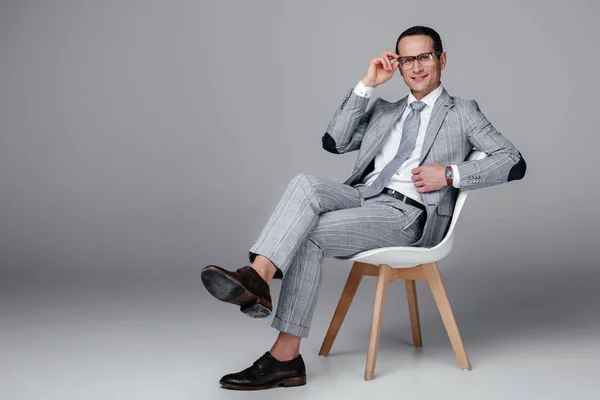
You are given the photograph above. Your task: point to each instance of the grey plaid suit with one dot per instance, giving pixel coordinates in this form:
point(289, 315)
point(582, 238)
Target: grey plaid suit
point(316, 218)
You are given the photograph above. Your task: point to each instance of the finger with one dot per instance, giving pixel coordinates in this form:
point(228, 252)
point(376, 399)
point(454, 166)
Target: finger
point(416, 171)
point(377, 61)
point(416, 178)
point(386, 63)
point(386, 57)
point(389, 64)
point(391, 54)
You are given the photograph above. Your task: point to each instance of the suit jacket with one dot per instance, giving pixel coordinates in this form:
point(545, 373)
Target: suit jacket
point(456, 127)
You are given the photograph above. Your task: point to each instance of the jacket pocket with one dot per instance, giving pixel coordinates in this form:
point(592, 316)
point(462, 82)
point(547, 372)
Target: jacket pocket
point(445, 208)
point(417, 216)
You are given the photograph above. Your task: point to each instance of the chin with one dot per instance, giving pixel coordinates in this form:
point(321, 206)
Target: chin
point(422, 89)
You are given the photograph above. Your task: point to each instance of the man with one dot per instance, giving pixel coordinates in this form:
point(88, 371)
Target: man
point(401, 192)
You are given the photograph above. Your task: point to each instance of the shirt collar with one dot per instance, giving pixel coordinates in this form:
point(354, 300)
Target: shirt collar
point(430, 99)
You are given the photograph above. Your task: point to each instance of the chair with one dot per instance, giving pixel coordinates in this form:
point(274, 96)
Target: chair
point(410, 264)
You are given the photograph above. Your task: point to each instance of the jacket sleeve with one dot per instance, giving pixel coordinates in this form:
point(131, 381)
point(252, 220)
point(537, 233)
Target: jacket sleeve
point(348, 125)
point(503, 162)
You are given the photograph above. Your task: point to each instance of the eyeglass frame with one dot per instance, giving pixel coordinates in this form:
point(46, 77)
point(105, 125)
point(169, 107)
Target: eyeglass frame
point(415, 58)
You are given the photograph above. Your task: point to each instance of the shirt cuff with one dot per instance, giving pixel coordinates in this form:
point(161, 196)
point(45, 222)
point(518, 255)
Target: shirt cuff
point(363, 91)
point(455, 177)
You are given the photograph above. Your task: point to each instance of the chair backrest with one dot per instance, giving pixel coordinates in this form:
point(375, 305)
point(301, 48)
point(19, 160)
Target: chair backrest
point(460, 201)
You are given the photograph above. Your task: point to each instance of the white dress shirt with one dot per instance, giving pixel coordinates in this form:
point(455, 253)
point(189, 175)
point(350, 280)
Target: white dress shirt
point(402, 181)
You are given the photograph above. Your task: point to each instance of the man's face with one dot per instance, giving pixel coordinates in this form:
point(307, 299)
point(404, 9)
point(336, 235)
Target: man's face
point(420, 79)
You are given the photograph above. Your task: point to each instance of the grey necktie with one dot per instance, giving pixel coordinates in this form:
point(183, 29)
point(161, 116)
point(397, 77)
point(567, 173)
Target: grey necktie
point(410, 130)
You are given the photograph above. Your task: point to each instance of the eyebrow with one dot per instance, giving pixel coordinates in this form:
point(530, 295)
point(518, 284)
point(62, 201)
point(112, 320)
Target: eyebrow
point(426, 52)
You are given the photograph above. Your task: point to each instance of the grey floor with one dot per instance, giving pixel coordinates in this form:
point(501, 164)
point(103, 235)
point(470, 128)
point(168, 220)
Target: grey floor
point(159, 335)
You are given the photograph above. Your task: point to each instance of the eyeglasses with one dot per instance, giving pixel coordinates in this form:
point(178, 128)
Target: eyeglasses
point(425, 59)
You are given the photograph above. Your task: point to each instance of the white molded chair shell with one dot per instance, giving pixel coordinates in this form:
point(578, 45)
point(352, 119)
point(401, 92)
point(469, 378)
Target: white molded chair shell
point(405, 257)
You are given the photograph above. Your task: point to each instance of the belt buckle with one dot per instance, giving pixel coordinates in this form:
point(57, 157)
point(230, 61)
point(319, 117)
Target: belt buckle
point(393, 192)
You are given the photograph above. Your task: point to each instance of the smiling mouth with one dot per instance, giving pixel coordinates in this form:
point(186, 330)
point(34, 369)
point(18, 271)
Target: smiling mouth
point(419, 78)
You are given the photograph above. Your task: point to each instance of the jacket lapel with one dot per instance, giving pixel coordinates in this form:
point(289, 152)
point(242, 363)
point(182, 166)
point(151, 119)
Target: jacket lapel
point(440, 109)
point(391, 116)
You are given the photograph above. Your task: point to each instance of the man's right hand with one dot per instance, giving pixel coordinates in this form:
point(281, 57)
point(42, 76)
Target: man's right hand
point(381, 69)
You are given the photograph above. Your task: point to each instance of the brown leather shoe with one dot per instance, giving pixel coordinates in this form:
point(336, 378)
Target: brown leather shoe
point(244, 287)
point(267, 372)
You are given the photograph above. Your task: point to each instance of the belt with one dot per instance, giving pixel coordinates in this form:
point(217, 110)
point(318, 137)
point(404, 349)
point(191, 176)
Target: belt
point(403, 198)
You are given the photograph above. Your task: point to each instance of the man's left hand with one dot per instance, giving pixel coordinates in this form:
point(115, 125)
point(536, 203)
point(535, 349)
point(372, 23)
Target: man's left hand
point(428, 178)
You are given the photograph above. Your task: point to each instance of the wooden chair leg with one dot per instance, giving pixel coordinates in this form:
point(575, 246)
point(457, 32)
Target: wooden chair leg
point(441, 299)
point(382, 282)
point(413, 310)
point(348, 293)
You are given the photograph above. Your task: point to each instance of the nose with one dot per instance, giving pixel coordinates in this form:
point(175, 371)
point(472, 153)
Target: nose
point(417, 67)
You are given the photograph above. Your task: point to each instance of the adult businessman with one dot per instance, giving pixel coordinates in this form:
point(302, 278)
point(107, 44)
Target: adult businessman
point(401, 192)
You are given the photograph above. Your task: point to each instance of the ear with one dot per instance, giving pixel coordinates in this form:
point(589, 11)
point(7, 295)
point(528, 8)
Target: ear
point(443, 60)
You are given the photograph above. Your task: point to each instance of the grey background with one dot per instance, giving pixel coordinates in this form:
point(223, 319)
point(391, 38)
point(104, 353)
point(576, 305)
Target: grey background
point(143, 140)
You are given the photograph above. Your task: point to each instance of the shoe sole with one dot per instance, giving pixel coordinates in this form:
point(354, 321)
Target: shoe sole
point(288, 382)
point(228, 289)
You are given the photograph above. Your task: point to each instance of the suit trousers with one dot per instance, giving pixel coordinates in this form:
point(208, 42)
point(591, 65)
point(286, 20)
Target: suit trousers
point(317, 218)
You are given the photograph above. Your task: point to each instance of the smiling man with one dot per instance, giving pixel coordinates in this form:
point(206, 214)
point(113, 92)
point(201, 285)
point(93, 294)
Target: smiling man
point(402, 190)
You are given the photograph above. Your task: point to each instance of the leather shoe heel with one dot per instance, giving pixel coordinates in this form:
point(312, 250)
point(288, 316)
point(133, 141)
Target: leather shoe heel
point(244, 287)
point(255, 309)
point(297, 381)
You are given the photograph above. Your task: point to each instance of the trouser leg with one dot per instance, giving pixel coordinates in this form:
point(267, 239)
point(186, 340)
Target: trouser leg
point(342, 233)
point(305, 198)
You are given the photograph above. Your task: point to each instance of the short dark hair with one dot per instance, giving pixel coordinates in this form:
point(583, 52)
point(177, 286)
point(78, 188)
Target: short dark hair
point(422, 30)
